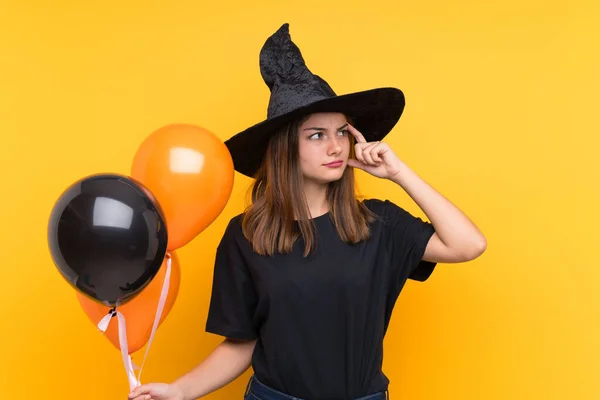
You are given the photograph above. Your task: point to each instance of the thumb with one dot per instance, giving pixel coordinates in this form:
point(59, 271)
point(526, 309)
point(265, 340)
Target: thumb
point(138, 391)
point(355, 164)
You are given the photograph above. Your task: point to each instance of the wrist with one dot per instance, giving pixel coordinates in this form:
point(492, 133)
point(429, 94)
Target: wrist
point(180, 391)
point(398, 176)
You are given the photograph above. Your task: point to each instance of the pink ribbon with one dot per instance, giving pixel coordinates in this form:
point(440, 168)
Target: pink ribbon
point(134, 380)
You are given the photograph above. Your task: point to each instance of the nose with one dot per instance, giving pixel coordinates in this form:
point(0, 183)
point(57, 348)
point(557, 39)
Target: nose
point(335, 147)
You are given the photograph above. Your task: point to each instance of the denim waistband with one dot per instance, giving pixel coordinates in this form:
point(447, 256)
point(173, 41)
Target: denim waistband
point(264, 392)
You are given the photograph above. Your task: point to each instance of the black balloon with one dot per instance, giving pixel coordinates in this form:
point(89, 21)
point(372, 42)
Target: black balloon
point(108, 237)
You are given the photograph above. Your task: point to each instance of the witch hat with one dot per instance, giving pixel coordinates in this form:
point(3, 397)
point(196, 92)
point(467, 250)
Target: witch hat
point(296, 91)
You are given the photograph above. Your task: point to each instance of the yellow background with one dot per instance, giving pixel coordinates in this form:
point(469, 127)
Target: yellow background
point(501, 117)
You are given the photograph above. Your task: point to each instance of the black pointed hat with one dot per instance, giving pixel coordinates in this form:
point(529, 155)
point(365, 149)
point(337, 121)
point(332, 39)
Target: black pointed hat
point(295, 91)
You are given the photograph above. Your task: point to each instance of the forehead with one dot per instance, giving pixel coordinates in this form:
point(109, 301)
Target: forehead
point(332, 120)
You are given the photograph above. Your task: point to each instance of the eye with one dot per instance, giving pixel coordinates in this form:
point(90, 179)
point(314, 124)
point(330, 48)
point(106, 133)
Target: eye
point(315, 135)
point(344, 132)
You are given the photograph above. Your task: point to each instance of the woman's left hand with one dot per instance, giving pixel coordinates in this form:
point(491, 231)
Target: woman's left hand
point(375, 158)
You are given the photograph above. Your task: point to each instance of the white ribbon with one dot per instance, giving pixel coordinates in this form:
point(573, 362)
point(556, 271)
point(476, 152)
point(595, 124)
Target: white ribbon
point(134, 380)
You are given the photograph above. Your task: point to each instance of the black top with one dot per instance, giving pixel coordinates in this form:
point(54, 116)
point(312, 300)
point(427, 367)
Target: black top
point(320, 320)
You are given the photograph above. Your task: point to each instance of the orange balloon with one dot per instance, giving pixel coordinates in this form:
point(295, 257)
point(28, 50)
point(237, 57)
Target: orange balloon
point(140, 311)
point(190, 172)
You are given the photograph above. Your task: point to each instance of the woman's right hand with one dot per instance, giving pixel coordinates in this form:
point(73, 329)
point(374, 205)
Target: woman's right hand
point(156, 391)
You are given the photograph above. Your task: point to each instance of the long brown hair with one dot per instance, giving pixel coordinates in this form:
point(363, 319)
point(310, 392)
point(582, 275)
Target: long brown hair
point(278, 201)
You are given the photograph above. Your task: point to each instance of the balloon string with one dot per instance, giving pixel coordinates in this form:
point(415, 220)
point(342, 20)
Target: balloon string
point(134, 380)
point(103, 324)
point(159, 310)
point(124, 347)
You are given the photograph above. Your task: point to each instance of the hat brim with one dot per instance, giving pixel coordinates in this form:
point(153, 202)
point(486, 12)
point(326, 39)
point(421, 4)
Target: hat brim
point(375, 112)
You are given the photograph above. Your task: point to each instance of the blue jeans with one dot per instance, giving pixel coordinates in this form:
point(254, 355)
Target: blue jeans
point(256, 390)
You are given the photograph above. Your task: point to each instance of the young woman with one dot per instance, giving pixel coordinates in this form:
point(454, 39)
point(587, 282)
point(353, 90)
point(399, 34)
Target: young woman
point(306, 278)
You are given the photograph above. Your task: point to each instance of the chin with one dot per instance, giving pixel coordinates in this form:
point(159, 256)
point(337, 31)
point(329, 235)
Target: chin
point(325, 177)
point(328, 178)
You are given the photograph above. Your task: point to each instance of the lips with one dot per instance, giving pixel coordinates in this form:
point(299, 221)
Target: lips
point(334, 164)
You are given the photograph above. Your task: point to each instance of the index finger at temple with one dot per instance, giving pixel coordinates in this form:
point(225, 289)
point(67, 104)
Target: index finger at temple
point(359, 137)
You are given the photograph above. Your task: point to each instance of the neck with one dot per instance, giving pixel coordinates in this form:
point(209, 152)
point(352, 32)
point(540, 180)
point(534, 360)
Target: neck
point(316, 197)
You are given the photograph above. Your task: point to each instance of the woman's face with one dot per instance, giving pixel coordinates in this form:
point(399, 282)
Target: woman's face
point(324, 147)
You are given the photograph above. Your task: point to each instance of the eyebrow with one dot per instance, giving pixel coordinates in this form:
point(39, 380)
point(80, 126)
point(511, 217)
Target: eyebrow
point(323, 129)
